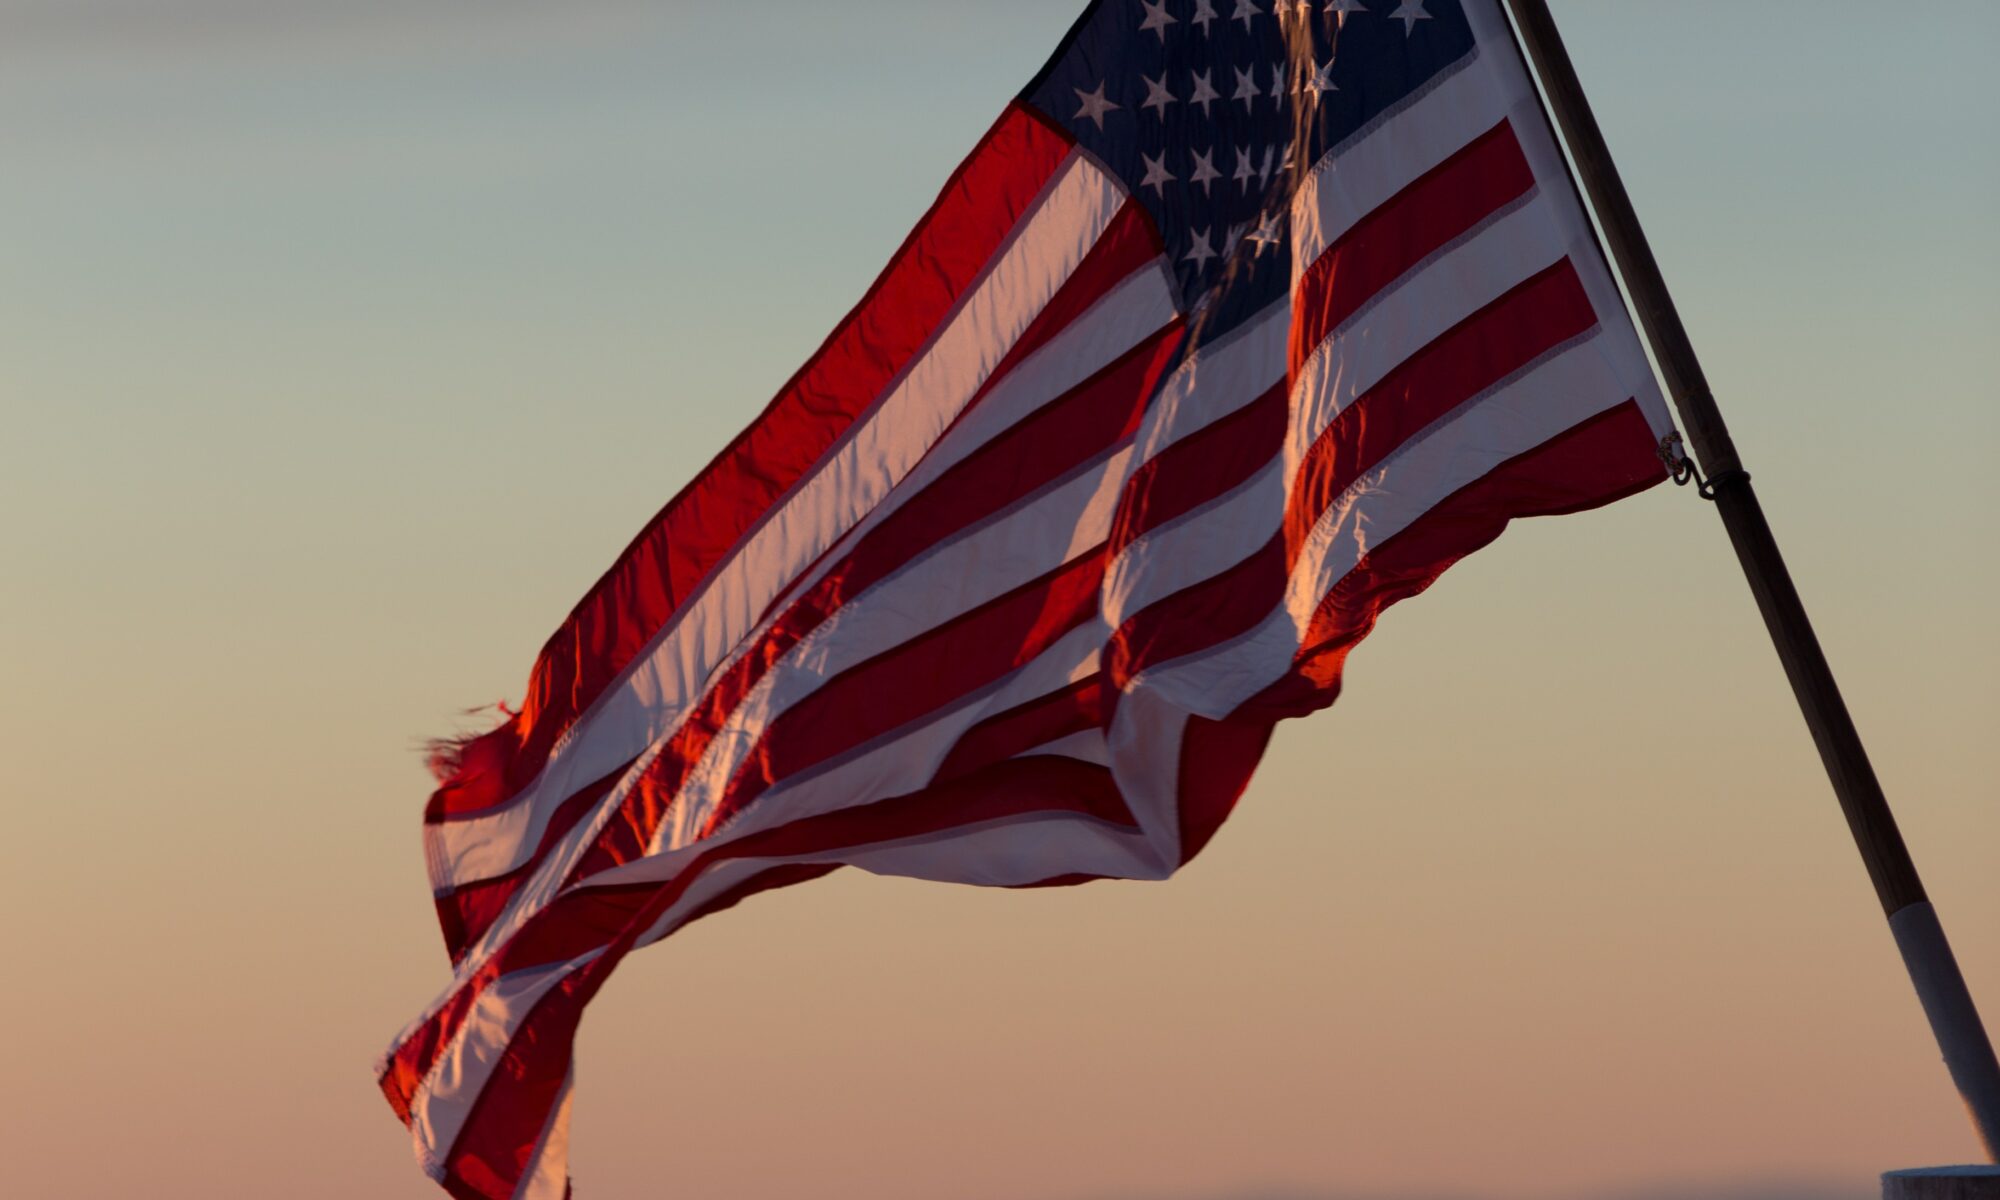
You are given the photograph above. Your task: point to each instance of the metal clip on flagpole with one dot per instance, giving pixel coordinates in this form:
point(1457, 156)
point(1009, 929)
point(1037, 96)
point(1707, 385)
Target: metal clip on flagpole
point(1926, 954)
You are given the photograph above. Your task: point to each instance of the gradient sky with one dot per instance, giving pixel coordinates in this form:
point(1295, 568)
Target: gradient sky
point(344, 342)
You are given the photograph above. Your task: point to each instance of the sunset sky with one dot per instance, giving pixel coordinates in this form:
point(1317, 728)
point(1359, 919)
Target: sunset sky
point(344, 342)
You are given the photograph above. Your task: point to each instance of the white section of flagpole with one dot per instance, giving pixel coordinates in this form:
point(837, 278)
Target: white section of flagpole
point(1934, 971)
point(1942, 1183)
point(1968, 1055)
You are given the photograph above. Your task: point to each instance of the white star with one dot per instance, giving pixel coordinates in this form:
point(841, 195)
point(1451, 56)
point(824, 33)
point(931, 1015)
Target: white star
point(1094, 105)
point(1157, 175)
point(1268, 166)
point(1234, 238)
point(1204, 12)
point(1204, 91)
point(1277, 83)
point(1200, 249)
point(1342, 9)
point(1157, 18)
point(1246, 88)
point(1268, 233)
point(1246, 171)
point(1157, 95)
point(1245, 9)
point(1409, 12)
point(1277, 163)
point(1204, 169)
point(1322, 80)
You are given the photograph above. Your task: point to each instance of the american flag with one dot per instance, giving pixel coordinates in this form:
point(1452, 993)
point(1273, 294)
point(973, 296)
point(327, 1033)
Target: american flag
point(1245, 320)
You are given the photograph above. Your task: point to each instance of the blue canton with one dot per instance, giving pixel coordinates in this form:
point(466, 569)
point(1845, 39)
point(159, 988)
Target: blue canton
point(1211, 111)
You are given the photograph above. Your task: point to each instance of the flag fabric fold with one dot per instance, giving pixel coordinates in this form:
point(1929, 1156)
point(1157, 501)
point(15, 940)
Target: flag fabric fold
point(1228, 334)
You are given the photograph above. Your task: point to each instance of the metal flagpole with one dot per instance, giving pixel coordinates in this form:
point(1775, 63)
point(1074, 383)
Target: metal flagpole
point(1926, 954)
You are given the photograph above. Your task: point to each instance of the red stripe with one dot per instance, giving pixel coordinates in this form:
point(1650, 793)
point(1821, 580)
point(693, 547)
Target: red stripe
point(1068, 879)
point(1128, 245)
point(1426, 215)
point(1605, 458)
point(762, 881)
point(624, 610)
point(466, 912)
point(1202, 466)
point(1217, 758)
point(1201, 615)
point(1073, 709)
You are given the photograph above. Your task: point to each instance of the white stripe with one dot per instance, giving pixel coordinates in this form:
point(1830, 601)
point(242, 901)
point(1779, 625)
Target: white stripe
point(651, 698)
point(1145, 744)
point(443, 1100)
point(1198, 545)
point(1128, 314)
point(1005, 852)
point(1545, 159)
point(1358, 176)
point(1220, 378)
point(547, 1175)
point(1085, 745)
point(1016, 851)
point(1541, 403)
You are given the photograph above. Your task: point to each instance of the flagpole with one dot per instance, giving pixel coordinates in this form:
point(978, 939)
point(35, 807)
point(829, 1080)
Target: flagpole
point(1926, 954)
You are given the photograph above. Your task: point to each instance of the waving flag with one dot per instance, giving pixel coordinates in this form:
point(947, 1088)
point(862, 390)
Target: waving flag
point(1239, 325)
